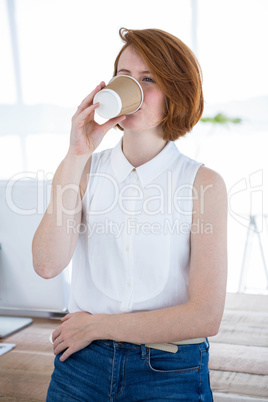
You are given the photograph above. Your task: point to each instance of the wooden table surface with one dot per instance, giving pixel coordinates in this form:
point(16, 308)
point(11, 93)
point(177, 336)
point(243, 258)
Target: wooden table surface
point(239, 352)
point(25, 371)
point(238, 356)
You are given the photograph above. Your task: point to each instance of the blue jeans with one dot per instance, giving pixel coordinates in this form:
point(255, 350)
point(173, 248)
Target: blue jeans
point(111, 371)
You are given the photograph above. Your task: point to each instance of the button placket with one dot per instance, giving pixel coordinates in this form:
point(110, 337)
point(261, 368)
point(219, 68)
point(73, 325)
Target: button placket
point(128, 243)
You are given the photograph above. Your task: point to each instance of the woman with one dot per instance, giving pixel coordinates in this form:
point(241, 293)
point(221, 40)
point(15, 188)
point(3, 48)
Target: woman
point(147, 227)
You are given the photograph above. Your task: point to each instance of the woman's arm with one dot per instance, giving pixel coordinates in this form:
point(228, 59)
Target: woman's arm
point(56, 236)
point(201, 315)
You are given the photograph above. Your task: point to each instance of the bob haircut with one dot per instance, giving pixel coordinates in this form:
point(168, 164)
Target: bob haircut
point(176, 71)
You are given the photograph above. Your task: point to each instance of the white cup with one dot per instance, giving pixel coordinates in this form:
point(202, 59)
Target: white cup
point(123, 95)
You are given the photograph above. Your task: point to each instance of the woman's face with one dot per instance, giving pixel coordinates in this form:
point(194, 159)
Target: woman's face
point(152, 109)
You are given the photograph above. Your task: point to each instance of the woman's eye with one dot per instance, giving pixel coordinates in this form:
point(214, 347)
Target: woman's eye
point(148, 79)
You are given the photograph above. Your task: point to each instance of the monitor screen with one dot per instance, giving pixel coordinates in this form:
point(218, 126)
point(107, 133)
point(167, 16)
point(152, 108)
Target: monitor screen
point(22, 205)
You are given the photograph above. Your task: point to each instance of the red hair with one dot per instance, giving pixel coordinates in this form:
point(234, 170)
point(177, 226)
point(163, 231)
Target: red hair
point(176, 71)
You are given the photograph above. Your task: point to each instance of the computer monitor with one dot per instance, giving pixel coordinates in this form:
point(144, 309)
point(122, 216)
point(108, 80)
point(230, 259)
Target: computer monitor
point(22, 291)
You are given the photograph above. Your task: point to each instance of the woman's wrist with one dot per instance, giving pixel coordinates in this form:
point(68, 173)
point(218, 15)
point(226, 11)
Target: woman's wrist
point(107, 326)
point(77, 159)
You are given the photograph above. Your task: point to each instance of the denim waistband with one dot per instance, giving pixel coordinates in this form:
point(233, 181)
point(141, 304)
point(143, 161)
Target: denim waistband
point(171, 347)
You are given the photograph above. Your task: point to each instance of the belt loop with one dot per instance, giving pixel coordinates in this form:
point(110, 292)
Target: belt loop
point(143, 351)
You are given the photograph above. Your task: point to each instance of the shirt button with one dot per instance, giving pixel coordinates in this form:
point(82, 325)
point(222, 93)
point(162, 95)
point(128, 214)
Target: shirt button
point(127, 248)
point(128, 284)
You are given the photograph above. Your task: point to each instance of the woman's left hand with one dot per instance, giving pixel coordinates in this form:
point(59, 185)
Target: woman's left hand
point(75, 333)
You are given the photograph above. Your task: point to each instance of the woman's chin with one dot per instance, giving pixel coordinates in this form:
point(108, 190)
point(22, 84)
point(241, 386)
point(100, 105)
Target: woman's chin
point(130, 124)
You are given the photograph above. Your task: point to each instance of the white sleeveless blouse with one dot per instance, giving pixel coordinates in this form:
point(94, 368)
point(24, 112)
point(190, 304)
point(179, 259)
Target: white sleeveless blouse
point(133, 250)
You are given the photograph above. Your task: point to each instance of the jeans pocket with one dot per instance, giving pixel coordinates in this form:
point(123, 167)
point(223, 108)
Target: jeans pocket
point(186, 360)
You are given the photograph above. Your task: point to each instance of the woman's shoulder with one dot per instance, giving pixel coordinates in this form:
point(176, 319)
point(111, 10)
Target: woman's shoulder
point(207, 176)
point(91, 167)
point(209, 185)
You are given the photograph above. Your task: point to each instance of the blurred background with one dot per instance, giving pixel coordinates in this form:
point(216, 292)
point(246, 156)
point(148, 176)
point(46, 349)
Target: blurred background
point(54, 52)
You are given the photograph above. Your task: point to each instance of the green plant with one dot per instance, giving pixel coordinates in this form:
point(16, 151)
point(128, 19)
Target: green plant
point(221, 118)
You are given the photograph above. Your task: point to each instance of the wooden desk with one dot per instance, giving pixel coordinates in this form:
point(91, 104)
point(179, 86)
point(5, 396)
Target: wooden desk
point(238, 356)
point(239, 353)
point(25, 371)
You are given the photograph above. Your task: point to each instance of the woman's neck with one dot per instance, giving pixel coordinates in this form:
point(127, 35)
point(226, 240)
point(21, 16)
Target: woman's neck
point(140, 147)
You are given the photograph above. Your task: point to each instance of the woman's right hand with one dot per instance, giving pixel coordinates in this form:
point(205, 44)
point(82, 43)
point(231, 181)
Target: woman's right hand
point(86, 134)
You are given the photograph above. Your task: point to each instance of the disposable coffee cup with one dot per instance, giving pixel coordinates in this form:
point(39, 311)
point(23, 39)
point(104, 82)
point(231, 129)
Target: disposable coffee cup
point(123, 95)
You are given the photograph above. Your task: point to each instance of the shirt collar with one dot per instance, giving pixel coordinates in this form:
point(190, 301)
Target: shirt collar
point(149, 170)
